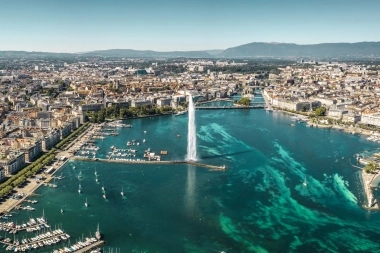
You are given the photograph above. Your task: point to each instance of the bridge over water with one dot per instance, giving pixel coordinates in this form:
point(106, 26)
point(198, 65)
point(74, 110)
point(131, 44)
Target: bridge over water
point(255, 106)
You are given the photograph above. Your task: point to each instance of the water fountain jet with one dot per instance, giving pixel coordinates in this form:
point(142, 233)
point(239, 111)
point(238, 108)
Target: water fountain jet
point(192, 135)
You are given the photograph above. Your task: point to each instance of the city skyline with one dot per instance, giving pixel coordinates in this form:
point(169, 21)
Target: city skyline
point(72, 26)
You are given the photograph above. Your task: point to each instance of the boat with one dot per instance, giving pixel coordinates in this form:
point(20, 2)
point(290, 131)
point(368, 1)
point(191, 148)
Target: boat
point(144, 141)
point(96, 173)
point(180, 113)
point(96, 178)
point(122, 191)
point(304, 182)
point(98, 235)
point(61, 210)
point(103, 189)
point(80, 189)
point(144, 132)
point(104, 196)
point(129, 143)
point(86, 204)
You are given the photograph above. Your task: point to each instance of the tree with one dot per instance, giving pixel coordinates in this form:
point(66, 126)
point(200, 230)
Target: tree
point(244, 101)
point(320, 111)
point(370, 167)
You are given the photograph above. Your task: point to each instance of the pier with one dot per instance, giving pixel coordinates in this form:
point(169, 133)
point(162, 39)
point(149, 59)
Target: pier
point(207, 166)
point(90, 247)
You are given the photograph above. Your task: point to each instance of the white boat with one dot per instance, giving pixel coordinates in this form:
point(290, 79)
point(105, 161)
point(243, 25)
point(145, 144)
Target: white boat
point(122, 191)
point(144, 132)
point(61, 210)
point(103, 189)
point(96, 178)
point(180, 113)
point(98, 235)
point(80, 189)
point(104, 196)
point(144, 141)
point(96, 173)
point(86, 204)
point(304, 182)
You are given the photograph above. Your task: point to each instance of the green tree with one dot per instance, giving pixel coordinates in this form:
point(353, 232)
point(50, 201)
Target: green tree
point(244, 101)
point(320, 111)
point(370, 167)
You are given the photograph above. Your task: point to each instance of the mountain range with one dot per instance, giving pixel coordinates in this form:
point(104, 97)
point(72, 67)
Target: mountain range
point(252, 50)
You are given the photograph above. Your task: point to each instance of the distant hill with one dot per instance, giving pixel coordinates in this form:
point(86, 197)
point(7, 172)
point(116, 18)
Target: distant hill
point(25, 54)
point(147, 53)
point(214, 52)
point(252, 50)
point(285, 50)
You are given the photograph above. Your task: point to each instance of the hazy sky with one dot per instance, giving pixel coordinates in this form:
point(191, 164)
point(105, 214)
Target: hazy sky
point(166, 25)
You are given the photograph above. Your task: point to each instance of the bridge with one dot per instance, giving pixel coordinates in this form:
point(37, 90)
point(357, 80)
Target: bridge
point(256, 106)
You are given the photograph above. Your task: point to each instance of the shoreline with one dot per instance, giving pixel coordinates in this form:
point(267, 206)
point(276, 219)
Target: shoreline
point(366, 179)
point(28, 190)
point(7, 205)
point(137, 117)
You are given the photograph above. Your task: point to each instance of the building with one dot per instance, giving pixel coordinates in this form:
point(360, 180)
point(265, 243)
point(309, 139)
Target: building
point(138, 103)
point(336, 113)
point(51, 139)
point(33, 151)
point(65, 130)
point(371, 119)
point(164, 102)
point(2, 174)
point(13, 162)
point(91, 107)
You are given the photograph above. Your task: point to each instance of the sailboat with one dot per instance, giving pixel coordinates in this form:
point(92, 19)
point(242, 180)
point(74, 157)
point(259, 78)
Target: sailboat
point(96, 178)
point(103, 189)
point(61, 210)
point(80, 189)
point(122, 191)
point(304, 182)
point(98, 235)
point(96, 173)
point(86, 204)
point(104, 195)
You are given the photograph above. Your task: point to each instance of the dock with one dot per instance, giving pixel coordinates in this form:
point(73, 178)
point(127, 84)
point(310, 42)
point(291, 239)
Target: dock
point(203, 165)
point(90, 247)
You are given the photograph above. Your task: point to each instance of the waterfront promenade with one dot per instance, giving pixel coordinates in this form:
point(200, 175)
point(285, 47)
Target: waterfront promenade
point(27, 189)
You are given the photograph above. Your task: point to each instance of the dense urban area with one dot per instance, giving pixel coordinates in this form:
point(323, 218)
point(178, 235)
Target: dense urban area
point(43, 101)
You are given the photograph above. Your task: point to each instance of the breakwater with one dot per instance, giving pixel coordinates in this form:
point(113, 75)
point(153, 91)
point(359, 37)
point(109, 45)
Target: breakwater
point(174, 162)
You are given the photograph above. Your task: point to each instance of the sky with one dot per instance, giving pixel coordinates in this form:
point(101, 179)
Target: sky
point(170, 25)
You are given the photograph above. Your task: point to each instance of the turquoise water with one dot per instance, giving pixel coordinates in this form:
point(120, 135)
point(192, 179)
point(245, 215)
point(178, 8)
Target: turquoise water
point(259, 205)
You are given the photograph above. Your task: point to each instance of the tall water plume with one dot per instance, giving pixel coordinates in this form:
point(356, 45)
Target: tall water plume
point(191, 135)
